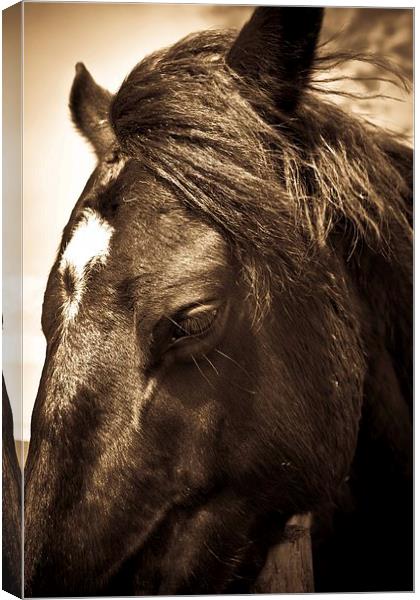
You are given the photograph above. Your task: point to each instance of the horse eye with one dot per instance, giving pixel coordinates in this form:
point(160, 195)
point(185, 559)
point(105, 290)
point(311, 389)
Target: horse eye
point(196, 323)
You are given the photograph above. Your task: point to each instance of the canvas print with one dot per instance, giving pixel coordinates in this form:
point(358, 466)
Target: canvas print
point(207, 318)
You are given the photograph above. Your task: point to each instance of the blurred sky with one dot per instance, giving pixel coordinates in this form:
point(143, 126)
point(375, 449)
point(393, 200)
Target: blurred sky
point(110, 39)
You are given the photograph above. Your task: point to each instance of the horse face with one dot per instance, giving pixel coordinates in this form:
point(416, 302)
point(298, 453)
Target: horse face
point(169, 426)
point(149, 390)
point(166, 422)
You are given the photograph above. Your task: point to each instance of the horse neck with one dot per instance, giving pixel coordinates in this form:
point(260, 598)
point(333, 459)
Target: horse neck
point(373, 513)
point(384, 284)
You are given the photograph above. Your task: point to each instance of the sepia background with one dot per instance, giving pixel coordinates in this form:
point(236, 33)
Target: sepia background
point(110, 39)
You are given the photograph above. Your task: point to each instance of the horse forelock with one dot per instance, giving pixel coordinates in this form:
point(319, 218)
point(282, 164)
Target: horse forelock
point(276, 185)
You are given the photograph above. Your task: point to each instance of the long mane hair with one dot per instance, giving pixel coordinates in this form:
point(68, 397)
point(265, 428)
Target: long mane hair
point(276, 185)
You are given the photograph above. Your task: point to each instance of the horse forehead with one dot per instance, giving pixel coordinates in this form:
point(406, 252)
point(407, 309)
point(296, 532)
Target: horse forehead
point(110, 169)
point(89, 242)
point(162, 240)
point(88, 245)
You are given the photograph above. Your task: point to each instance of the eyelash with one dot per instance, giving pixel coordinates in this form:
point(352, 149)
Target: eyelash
point(194, 326)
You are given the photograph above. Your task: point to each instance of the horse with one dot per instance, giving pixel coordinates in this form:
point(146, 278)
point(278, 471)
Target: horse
point(229, 330)
point(11, 503)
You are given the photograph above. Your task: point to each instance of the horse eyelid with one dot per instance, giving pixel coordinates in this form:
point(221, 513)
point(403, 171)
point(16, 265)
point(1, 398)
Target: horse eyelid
point(205, 317)
point(197, 325)
point(198, 307)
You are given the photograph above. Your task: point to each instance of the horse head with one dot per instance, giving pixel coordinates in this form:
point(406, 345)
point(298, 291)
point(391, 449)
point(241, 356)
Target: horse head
point(205, 360)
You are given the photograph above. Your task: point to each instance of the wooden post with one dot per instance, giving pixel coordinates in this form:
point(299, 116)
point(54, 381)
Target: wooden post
point(288, 568)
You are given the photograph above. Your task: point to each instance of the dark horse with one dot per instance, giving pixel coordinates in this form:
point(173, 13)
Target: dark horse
point(229, 334)
point(11, 504)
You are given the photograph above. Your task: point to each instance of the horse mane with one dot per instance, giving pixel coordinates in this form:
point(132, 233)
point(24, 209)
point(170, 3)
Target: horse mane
point(275, 185)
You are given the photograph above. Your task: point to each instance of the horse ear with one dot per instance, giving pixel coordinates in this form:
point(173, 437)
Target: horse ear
point(89, 106)
point(276, 48)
